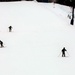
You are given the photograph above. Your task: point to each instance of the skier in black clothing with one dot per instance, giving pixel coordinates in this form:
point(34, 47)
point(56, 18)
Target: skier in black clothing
point(10, 28)
point(1, 43)
point(63, 52)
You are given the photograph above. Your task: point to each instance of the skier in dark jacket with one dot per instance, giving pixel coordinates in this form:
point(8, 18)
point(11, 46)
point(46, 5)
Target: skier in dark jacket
point(63, 52)
point(1, 43)
point(10, 28)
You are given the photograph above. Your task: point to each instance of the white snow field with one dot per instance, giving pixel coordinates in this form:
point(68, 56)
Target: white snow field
point(40, 31)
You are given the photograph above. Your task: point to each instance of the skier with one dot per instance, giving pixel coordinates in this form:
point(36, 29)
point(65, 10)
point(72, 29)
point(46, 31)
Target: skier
point(10, 28)
point(63, 52)
point(1, 43)
point(69, 16)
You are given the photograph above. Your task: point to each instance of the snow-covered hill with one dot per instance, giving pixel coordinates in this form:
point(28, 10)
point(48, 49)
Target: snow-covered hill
point(39, 33)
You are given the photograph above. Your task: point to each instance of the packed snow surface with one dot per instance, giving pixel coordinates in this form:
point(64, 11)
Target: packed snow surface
point(40, 31)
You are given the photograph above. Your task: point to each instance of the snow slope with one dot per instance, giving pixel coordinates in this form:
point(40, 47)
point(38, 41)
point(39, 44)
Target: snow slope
point(39, 33)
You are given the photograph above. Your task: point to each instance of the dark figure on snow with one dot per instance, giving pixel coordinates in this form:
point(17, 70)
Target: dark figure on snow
point(10, 28)
point(63, 52)
point(1, 43)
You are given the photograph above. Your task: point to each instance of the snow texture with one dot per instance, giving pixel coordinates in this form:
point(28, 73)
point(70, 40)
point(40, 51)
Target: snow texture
point(40, 31)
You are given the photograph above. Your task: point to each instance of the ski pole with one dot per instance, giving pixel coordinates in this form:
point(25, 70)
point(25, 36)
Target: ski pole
point(68, 53)
point(59, 54)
